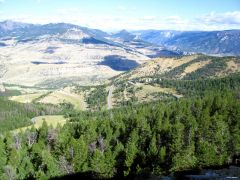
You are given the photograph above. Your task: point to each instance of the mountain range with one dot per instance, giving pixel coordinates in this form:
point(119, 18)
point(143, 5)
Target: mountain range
point(208, 42)
point(226, 42)
point(58, 54)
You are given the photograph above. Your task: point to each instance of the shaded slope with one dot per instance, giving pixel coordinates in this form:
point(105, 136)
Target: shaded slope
point(119, 63)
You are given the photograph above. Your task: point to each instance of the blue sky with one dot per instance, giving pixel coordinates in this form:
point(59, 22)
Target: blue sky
point(127, 14)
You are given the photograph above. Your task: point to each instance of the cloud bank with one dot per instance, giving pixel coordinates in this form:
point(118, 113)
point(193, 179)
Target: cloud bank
point(211, 21)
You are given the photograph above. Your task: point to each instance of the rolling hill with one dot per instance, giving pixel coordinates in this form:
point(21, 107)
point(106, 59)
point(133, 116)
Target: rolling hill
point(171, 78)
point(185, 67)
point(159, 79)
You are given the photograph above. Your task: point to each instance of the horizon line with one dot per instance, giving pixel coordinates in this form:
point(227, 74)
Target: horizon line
point(116, 30)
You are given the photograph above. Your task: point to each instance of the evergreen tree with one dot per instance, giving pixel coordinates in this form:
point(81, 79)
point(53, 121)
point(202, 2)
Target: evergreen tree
point(3, 157)
point(80, 154)
point(131, 151)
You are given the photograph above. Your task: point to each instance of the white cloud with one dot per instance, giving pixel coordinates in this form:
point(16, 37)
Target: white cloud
point(212, 21)
point(67, 11)
point(121, 8)
point(2, 1)
point(231, 18)
point(126, 9)
point(148, 18)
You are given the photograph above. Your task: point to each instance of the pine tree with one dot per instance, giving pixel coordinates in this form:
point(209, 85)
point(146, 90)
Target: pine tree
point(98, 164)
point(25, 167)
point(3, 157)
point(50, 165)
point(80, 154)
point(153, 149)
point(131, 151)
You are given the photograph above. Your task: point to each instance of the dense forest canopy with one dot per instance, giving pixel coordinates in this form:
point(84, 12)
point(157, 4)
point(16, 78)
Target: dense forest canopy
point(158, 137)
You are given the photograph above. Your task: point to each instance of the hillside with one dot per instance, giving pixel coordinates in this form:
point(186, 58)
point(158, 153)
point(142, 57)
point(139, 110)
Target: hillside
point(55, 55)
point(171, 78)
point(159, 122)
point(53, 63)
point(164, 79)
point(130, 89)
point(185, 67)
point(158, 79)
point(58, 54)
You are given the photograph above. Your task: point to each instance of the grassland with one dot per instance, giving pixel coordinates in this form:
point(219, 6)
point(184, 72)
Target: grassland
point(146, 90)
point(156, 66)
point(50, 120)
point(193, 67)
point(185, 67)
point(26, 98)
point(129, 92)
point(65, 95)
point(48, 96)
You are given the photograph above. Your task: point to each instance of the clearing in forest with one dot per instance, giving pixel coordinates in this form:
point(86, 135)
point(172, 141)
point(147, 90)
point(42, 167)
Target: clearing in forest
point(65, 95)
point(51, 120)
point(26, 98)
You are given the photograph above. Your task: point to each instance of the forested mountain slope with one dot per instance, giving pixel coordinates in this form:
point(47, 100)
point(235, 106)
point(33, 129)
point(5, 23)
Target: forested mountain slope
point(170, 78)
point(156, 138)
point(161, 123)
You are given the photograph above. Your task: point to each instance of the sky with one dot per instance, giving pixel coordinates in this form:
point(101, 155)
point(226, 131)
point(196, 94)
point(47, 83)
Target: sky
point(111, 15)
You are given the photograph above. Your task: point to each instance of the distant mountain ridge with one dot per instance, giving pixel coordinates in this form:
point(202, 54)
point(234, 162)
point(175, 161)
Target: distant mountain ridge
point(9, 25)
point(225, 42)
point(64, 53)
point(28, 32)
point(70, 33)
point(124, 35)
